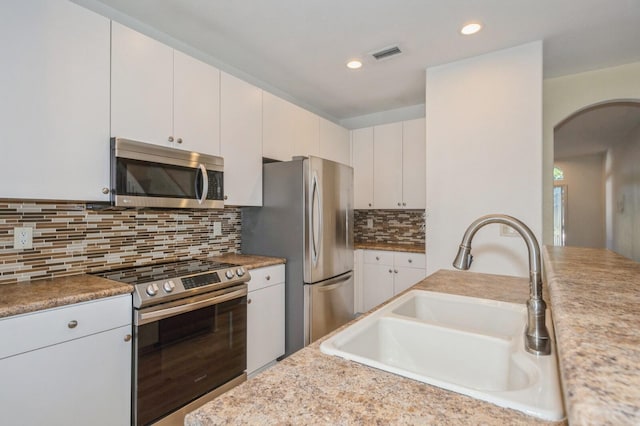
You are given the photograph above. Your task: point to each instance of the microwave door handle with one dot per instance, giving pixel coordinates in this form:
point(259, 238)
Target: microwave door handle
point(205, 184)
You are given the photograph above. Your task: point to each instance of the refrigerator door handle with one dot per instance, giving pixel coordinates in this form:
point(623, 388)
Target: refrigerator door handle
point(334, 283)
point(316, 215)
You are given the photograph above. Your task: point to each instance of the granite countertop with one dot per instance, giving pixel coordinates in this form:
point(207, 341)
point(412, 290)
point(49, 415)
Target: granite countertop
point(595, 301)
point(411, 248)
point(22, 298)
point(310, 387)
point(249, 261)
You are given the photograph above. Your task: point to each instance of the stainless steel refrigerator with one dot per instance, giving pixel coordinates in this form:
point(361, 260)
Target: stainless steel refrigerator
point(307, 218)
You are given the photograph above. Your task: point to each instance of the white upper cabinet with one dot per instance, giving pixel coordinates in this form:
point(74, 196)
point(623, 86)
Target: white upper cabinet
point(387, 166)
point(241, 141)
point(288, 130)
point(414, 177)
point(141, 87)
point(54, 108)
point(334, 142)
point(162, 96)
point(362, 162)
point(196, 104)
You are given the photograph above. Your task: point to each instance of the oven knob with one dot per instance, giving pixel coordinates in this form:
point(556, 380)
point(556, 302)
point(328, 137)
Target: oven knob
point(240, 272)
point(152, 289)
point(169, 286)
point(229, 274)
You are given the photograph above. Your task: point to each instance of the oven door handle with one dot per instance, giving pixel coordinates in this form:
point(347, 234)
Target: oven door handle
point(147, 317)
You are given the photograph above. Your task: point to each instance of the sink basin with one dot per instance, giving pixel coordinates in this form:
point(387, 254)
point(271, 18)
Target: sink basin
point(467, 345)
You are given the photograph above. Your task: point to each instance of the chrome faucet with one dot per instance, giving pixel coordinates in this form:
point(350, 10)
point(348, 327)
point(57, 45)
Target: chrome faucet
point(536, 335)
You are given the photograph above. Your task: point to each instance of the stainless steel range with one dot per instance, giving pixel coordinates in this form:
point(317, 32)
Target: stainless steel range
point(190, 325)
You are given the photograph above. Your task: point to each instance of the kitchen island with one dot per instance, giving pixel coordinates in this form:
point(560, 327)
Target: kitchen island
point(589, 291)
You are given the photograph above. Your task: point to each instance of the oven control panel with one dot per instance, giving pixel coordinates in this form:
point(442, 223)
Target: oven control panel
point(168, 289)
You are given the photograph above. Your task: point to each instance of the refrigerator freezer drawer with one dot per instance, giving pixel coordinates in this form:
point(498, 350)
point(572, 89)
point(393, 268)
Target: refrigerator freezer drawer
point(329, 305)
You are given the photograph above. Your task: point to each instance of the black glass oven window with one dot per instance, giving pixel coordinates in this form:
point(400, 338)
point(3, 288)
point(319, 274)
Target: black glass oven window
point(148, 179)
point(184, 357)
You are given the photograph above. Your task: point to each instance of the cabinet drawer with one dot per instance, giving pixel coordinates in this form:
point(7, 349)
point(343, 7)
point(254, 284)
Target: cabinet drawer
point(410, 260)
point(265, 277)
point(378, 257)
point(31, 331)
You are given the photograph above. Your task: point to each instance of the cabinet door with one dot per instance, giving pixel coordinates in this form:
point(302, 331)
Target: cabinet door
point(265, 326)
point(414, 164)
point(86, 381)
point(141, 87)
point(277, 133)
point(377, 285)
point(362, 161)
point(406, 277)
point(387, 166)
point(334, 142)
point(305, 132)
point(241, 141)
point(54, 108)
point(196, 105)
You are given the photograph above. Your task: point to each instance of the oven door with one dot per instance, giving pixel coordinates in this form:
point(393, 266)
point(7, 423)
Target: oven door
point(184, 351)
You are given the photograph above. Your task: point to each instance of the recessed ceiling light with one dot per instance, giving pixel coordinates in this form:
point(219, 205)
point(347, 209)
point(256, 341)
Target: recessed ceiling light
point(354, 64)
point(471, 28)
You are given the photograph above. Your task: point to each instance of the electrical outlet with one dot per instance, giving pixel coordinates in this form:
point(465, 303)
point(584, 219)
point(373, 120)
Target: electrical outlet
point(369, 223)
point(22, 238)
point(217, 229)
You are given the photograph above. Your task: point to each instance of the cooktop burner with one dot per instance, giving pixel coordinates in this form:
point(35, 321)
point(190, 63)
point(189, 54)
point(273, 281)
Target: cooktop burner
point(162, 282)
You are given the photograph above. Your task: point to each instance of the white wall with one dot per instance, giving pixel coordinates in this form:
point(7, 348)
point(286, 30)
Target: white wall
point(484, 155)
point(623, 194)
point(563, 96)
point(584, 178)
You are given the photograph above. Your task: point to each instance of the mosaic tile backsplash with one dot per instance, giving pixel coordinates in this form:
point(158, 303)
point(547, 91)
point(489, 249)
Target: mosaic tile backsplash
point(68, 239)
point(389, 226)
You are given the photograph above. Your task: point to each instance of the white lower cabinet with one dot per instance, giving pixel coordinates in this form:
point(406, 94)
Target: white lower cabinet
point(265, 317)
point(68, 366)
point(388, 273)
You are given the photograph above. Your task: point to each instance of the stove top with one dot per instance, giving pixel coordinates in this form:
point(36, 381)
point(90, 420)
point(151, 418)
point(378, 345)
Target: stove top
point(162, 282)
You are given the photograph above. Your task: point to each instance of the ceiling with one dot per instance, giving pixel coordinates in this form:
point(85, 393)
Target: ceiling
point(596, 129)
point(301, 47)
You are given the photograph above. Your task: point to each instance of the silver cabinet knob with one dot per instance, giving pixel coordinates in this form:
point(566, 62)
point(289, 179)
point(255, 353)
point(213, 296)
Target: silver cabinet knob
point(226, 197)
point(399, 204)
point(127, 338)
point(369, 204)
point(404, 204)
point(72, 324)
point(377, 257)
point(248, 301)
point(390, 271)
point(395, 271)
point(410, 261)
point(170, 139)
point(268, 277)
point(105, 190)
point(179, 140)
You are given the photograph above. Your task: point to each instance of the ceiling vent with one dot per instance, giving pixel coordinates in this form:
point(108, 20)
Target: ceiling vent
point(386, 53)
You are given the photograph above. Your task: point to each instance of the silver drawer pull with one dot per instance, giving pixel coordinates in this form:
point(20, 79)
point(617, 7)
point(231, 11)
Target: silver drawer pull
point(390, 271)
point(72, 324)
point(127, 338)
point(248, 301)
point(410, 260)
point(377, 257)
point(268, 277)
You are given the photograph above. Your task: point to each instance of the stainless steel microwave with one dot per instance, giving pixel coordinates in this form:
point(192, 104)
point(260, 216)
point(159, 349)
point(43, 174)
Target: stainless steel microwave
point(146, 175)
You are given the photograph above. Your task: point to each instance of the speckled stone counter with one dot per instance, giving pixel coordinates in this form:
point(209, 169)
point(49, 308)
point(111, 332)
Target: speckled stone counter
point(411, 248)
point(310, 387)
point(595, 300)
point(249, 261)
point(21, 298)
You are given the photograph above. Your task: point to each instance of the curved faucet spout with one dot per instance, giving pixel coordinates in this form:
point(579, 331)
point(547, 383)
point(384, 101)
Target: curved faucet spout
point(536, 336)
